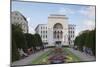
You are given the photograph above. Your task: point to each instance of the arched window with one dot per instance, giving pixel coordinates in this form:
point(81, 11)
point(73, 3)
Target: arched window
point(57, 33)
point(61, 34)
point(54, 34)
point(58, 26)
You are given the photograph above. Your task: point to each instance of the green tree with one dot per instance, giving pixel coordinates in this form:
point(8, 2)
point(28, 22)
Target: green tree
point(93, 42)
point(87, 39)
point(37, 40)
point(18, 41)
point(15, 55)
point(18, 35)
point(30, 40)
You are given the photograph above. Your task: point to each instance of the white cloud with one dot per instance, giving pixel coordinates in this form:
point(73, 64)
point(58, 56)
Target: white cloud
point(65, 11)
point(86, 25)
point(77, 31)
point(88, 12)
point(28, 19)
point(89, 24)
point(30, 25)
point(31, 30)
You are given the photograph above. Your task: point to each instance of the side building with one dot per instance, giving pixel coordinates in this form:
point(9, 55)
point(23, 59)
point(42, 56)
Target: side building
point(42, 30)
point(18, 18)
point(71, 34)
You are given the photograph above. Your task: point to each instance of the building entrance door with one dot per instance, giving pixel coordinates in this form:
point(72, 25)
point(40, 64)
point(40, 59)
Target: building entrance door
point(58, 43)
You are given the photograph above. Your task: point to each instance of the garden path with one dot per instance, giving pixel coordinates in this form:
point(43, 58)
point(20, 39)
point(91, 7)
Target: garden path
point(29, 59)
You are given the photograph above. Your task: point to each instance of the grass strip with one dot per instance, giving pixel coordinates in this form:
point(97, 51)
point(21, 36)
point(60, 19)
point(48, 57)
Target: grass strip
point(74, 57)
point(39, 59)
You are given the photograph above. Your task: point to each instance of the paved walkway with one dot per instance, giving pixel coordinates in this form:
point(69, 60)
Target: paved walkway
point(29, 59)
point(82, 55)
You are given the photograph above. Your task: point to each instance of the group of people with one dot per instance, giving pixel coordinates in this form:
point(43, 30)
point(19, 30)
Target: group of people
point(26, 52)
point(86, 50)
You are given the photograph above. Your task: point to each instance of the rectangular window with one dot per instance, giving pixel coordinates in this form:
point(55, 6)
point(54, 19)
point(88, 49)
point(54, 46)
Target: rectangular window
point(69, 32)
point(43, 36)
point(41, 32)
point(73, 27)
point(17, 18)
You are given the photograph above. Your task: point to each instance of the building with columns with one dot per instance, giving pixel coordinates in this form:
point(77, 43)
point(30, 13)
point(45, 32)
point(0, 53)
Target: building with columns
point(56, 31)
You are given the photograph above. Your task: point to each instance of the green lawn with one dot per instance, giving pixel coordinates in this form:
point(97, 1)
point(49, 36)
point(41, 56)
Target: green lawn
point(43, 59)
point(73, 56)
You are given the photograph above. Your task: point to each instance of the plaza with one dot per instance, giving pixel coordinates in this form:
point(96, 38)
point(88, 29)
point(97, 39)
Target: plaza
point(55, 35)
point(42, 57)
point(56, 43)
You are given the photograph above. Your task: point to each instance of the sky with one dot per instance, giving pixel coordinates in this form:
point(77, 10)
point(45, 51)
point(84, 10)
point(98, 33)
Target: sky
point(83, 16)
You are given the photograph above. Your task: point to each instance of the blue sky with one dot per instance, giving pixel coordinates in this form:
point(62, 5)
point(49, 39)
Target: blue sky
point(37, 13)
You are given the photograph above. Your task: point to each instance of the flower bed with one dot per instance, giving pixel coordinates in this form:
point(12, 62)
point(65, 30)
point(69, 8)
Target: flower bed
point(56, 55)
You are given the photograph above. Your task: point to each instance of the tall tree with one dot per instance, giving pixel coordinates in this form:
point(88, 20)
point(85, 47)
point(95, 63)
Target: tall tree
point(15, 55)
point(18, 41)
point(38, 40)
point(18, 35)
point(87, 39)
point(29, 40)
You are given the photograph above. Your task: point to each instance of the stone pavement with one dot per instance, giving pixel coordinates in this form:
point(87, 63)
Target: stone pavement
point(82, 55)
point(29, 59)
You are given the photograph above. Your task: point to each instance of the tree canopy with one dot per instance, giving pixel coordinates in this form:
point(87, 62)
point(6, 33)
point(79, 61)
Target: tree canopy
point(87, 39)
point(23, 40)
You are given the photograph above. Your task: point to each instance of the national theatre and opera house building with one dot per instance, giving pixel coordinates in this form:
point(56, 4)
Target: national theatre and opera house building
point(56, 31)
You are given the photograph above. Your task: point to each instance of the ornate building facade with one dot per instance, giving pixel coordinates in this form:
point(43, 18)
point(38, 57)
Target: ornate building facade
point(57, 31)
